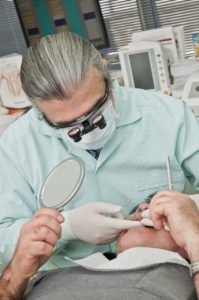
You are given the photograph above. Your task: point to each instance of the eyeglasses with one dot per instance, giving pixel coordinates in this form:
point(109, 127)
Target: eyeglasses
point(85, 117)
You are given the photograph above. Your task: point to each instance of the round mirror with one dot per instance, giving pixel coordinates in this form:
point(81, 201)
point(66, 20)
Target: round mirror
point(62, 183)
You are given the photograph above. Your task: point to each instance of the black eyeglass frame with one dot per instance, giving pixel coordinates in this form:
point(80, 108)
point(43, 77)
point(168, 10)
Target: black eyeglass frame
point(86, 116)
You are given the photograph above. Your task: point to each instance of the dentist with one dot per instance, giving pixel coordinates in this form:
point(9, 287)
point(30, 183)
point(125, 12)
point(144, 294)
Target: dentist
point(122, 135)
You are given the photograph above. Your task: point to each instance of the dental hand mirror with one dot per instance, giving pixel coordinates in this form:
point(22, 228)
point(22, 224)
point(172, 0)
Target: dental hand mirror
point(62, 184)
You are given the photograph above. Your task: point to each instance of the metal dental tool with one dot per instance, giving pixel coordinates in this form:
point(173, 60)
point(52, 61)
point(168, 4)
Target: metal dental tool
point(169, 174)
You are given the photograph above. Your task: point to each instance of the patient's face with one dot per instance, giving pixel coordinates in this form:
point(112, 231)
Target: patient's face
point(147, 237)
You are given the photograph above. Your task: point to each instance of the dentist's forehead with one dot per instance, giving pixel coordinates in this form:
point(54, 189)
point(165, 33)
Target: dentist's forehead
point(82, 99)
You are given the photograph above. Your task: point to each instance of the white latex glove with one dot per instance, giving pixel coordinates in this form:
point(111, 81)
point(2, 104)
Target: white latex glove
point(147, 221)
point(88, 223)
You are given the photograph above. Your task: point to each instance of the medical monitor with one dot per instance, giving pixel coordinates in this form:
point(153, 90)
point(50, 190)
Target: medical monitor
point(140, 66)
point(191, 93)
point(143, 66)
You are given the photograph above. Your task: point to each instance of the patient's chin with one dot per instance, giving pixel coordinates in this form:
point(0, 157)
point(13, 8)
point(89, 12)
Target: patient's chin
point(146, 237)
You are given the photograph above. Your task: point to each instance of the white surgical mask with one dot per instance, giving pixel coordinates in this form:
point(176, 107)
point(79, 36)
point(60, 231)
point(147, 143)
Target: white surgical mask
point(97, 138)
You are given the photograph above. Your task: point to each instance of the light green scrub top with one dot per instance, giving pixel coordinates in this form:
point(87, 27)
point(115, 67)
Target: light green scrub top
point(131, 166)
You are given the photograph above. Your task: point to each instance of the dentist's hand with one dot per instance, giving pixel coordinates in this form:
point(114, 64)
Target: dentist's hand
point(89, 224)
point(36, 242)
point(181, 215)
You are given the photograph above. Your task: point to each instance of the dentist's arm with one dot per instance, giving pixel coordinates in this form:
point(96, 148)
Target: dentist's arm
point(36, 243)
point(12, 287)
point(181, 215)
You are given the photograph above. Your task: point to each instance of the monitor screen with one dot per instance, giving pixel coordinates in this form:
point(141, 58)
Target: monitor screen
point(141, 70)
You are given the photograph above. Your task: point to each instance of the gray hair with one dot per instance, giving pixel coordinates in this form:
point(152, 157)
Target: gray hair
point(56, 64)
